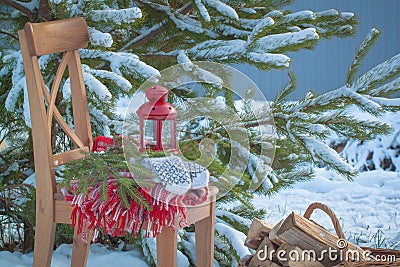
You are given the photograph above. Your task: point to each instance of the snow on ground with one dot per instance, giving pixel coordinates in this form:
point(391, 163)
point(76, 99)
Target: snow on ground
point(368, 209)
point(99, 255)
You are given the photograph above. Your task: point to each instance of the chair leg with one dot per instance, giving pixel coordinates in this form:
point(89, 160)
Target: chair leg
point(205, 239)
point(80, 249)
point(44, 241)
point(166, 247)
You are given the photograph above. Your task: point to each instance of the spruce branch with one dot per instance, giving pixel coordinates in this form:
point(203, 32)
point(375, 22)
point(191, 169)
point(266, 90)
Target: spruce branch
point(9, 34)
point(289, 88)
point(95, 169)
point(378, 75)
point(362, 51)
point(154, 31)
point(322, 152)
point(386, 89)
point(286, 177)
point(45, 10)
point(21, 6)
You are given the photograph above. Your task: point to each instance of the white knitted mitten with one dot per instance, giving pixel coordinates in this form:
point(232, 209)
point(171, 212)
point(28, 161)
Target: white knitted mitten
point(176, 175)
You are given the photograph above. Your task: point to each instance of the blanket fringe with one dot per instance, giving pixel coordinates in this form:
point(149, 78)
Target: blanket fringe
point(90, 212)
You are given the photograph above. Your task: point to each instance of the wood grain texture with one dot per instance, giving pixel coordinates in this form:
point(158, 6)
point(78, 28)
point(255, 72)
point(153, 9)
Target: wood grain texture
point(45, 185)
point(204, 232)
point(79, 101)
point(197, 213)
point(273, 234)
point(44, 239)
point(38, 39)
point(68, 156)
point(56, 36)
point(166, 247)
point(62, 210)
point(55, 87)
point(244, 261)
point(63, 124)
point(80, 249)
point(258, 230)
point(265, 254)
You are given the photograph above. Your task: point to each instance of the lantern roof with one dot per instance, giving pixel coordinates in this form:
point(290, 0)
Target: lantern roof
point(157, 108)
point(156, 93)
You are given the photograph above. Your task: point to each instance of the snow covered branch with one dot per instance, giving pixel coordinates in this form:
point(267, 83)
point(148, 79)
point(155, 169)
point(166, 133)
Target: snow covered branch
point(117, 16)
point(120, 62)
point(25, 8)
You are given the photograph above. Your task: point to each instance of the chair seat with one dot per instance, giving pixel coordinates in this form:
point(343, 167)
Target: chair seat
point(63, 208)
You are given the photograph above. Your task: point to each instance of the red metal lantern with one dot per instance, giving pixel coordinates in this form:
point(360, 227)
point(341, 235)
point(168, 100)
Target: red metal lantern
point(157, 121)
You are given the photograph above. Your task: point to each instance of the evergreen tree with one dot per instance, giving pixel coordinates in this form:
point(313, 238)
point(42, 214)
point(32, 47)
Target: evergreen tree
point(132, 41)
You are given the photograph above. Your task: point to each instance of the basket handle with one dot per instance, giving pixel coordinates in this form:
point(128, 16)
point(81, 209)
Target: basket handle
point(335, 222)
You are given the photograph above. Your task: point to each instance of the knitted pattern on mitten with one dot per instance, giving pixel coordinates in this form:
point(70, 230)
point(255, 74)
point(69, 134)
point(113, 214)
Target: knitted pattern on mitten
point(177, 175)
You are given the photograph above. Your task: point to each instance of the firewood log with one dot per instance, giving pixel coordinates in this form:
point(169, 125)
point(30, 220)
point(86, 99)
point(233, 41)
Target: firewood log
point(265, 255)
point(273, 234)
point(258, 230)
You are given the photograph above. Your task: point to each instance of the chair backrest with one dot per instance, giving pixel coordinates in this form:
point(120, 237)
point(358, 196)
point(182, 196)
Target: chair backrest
point(37, 39)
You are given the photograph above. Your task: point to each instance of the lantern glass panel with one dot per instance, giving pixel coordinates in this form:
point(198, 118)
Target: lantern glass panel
point(150, 133)
point(168, 134)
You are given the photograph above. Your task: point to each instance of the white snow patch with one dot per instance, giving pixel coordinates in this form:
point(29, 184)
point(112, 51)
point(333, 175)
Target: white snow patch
point(248, 10)
point(57, 2)
point(301, 15)
point(117, 16)
point(217, 49)
point(100, 38)
point(347, 15)
point(237, 238)
point(328, 13)
point(222, 8)
point(97, 87)
point(275, 14)
point(279, 60)
point(121, 60)
point(120, 81)
point(203, 10)
point(272, 42)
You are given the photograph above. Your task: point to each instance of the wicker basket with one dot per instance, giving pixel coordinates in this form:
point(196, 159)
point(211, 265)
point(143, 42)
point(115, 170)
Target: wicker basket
point(392, 257)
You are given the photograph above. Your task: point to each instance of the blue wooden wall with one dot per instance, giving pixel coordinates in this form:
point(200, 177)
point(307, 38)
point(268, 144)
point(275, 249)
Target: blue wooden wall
point(325, 67)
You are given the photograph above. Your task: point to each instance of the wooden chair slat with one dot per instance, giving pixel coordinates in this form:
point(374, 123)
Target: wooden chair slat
point(79, 100)
point(45, 182)
point(55, 86)
point(56, 36)
point(63, 124)
point(41, 137)
point(68, 156)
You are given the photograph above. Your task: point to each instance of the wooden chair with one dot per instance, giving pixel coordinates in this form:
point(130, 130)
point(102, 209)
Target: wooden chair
point(68, 36)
